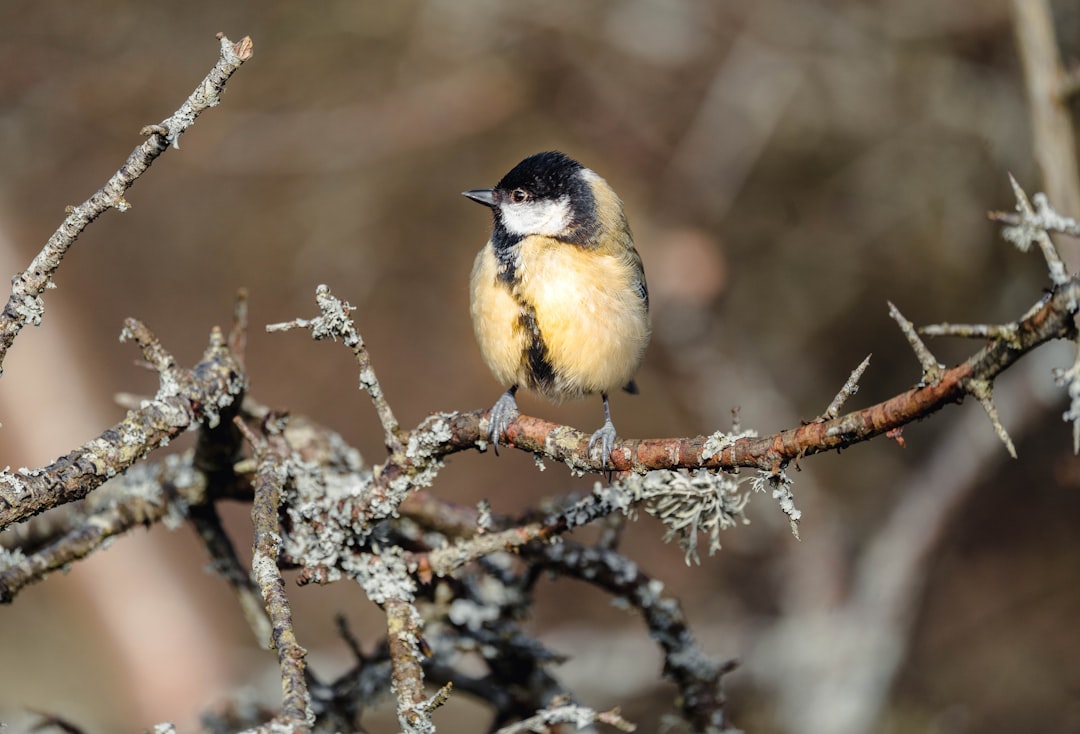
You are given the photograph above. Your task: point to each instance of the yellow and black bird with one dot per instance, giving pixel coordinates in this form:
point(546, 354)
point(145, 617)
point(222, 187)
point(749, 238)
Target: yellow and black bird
point(559, 301)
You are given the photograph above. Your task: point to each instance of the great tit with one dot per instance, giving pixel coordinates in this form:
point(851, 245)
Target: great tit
point(559, 302)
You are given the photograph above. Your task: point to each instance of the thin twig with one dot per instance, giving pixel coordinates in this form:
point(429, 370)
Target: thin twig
point(697, 676)
point(386, 581)
point(1006, 332)
point(333, 323)
point(25, 304)
point(269, 482)
point(226, 564)
point(1032, 228)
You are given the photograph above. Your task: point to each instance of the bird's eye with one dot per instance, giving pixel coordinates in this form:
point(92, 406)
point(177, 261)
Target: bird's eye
point(519, 195)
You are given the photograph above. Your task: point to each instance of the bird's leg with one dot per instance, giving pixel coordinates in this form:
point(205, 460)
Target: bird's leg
point(502, 414)
point(605, 436)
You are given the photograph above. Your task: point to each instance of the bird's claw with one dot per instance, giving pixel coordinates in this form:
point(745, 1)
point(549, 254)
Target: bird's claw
point(502, 414)
point(605, 437)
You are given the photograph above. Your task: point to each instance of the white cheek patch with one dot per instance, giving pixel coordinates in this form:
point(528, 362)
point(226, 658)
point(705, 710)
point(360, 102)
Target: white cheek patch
point(548, 218)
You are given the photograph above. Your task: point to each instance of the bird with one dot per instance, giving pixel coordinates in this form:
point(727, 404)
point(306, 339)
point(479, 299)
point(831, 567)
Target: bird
point(558, 296)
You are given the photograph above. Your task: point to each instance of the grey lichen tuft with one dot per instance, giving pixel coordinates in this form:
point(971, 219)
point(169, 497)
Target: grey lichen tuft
point(780, 485)
point(688, 504)
point(1035, 224)
point(1070, 380)
point(10, 557)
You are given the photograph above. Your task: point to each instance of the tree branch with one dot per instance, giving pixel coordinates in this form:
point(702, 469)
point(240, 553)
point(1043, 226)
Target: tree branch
point(25, 305)
point(185, 398)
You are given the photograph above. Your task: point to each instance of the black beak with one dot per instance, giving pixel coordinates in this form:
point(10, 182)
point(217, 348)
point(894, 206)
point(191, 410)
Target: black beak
point(481, 196)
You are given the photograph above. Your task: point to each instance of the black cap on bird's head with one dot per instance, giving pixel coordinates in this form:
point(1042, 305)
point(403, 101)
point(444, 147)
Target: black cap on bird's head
point(548, 175)
point(547, 193)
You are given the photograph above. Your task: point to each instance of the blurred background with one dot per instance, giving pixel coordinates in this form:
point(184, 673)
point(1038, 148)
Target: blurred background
point(787, 167)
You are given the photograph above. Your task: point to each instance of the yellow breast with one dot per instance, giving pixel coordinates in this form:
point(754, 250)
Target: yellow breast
point(495, 316)
point(592, 321)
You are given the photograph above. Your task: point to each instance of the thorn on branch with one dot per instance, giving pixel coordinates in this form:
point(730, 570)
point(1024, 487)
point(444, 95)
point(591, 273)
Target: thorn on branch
point(983, 391)
point(932, 370)
point(1003, 332)
point(850, 388)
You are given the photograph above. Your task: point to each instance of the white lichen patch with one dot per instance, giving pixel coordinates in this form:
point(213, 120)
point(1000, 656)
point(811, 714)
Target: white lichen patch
point(10, 557)
point(719, 441)
point(383, 575)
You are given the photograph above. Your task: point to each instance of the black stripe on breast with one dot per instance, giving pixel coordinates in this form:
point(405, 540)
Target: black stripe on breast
point(535, 357)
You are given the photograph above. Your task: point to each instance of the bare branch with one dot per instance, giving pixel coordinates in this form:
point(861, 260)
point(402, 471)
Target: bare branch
point(269, 481)
point(333, 323)
point(25, 304)
point(185, 397)
point(146, 494)
point(698, 677)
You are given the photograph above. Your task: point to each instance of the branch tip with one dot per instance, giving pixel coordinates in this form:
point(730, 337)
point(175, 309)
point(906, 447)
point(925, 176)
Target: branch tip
point(983, 391)
point(850, 388)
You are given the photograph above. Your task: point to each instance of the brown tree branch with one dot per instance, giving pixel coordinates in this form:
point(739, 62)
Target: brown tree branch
point(1050, 319)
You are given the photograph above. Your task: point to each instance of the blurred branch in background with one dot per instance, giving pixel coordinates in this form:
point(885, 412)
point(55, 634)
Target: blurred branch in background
point(1052, 127)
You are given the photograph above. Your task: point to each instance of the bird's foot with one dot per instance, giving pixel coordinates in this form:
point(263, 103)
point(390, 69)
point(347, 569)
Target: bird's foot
point(502, 414)
point(605, 437)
